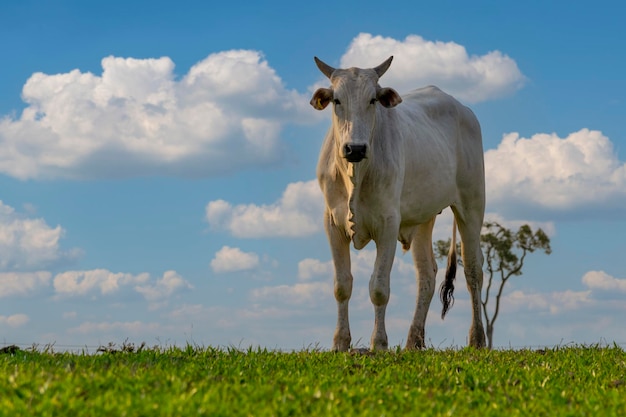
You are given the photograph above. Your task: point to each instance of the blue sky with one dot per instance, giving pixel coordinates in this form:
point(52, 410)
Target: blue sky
point(157, 165)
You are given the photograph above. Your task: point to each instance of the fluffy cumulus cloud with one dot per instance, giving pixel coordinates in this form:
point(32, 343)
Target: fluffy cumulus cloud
point(297, 213)
point(601, 281)
point(308, 268)
point(28, 243)
point(230, 259)
point(137, 118)
point(310, 293)
point(170, 283)
point(419, 62)
point(22, 283)
point(77, 283)
point(106, 283)
point(545, 171)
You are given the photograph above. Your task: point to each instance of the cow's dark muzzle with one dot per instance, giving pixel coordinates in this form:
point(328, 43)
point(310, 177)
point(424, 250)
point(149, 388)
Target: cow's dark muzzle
point(354, 152)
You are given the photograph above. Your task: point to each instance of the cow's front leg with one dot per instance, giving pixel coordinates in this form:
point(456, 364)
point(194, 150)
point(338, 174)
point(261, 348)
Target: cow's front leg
point(340, 250)
point(379, 285)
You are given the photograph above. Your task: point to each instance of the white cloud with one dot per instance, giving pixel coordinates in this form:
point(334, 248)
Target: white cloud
point(307, 268)
point(297, 213)
point(136, 118)
point(22, 283)
point(518, 299)
point(600, 280)
point(105, 282)
point(28, 243)
point(419, 62)
point(297, 294)
point(224, 114)
point(164, 287)
point(559, 302)
point(15, 320)
point(75, 283)
point(230, 259)
point(570, 300)
point(553, 173)
point(554, 303)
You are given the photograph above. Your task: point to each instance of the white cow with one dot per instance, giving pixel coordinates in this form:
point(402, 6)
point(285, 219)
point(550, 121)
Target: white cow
point(387, 167)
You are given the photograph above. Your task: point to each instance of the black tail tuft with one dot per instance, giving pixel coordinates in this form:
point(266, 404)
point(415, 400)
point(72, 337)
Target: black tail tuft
point(446, 291)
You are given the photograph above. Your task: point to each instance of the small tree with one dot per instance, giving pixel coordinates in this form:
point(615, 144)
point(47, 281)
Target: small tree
point(505, 252)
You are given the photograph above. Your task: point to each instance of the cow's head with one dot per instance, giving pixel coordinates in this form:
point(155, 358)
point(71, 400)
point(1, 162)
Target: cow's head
point(355, 94)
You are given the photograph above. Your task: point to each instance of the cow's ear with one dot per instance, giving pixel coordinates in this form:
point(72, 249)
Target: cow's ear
point(388, 97)
point(321, 98)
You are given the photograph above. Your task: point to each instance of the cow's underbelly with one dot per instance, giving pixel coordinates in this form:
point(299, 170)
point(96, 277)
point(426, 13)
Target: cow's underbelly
point(422, 212)
point(419, 207)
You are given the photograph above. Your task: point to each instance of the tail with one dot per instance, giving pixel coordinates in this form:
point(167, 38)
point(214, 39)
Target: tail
point(446, 291)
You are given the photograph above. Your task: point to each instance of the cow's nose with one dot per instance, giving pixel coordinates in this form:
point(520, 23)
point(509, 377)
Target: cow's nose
point(354, 152)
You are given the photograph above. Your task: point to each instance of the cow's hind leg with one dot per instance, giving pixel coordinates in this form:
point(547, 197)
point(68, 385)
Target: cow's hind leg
point(426, 266)
point(470, 226)
point(340, 249)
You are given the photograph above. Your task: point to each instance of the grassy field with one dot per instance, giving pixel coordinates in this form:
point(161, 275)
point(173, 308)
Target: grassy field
point(192, 381)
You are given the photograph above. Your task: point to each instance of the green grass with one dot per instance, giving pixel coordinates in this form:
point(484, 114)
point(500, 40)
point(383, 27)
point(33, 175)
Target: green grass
point(572, 381)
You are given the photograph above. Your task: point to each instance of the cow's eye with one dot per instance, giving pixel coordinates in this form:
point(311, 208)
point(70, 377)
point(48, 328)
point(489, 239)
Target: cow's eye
point(336, 101)
point(373, 101)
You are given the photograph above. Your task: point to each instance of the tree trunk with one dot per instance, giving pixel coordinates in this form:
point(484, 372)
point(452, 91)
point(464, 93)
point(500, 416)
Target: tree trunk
point(490, 335)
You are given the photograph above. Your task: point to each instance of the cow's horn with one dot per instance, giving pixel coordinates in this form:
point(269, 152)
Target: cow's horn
point(326, 69)
point(382, 68)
